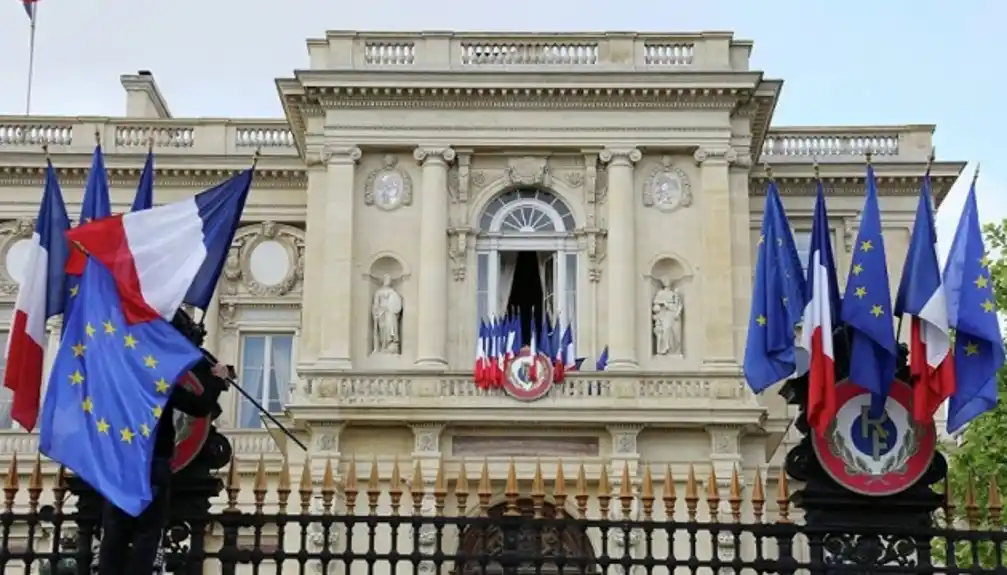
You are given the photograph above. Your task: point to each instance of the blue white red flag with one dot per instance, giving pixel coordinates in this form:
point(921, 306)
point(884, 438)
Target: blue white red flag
point(170, 254)
point(29, 8)
point(820, 318)
point(921, 296)
point(40, 297)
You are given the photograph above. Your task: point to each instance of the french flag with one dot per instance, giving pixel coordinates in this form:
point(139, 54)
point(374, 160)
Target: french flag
point(820, 314)
point(29, 8)
point(479, 371)
point(921, 296)
point(40, 297)
point(171, 254)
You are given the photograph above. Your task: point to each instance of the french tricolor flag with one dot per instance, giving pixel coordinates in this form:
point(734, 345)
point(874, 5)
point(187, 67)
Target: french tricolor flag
point(40, 297)
point(29, 8)
point(171, 254)
point(820, 316)
point(921, 296)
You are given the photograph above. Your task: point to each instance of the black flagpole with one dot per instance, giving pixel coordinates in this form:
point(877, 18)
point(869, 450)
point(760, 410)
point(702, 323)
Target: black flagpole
point(265, 412)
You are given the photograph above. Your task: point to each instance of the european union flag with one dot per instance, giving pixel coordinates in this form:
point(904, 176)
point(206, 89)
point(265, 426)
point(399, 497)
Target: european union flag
point(144, 198)
point(979, 348)
point(778, 299)
point(867, 307)
point(107, 388)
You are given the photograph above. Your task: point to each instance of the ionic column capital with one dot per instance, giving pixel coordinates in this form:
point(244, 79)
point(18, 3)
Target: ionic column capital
point(620, 156)
point(342, 155)
point(715, 156)
point(434, 155)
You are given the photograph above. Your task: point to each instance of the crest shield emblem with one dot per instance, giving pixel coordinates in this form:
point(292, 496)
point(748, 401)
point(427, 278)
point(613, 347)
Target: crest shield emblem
point(190, 432)
point(518, 382)
point(875, 457)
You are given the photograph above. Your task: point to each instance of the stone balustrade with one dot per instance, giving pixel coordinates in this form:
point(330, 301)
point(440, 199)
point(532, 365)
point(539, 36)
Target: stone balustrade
point(479, 51)
point(686, 399)
point(246, 444)
point(897, 143)
point(126, 136)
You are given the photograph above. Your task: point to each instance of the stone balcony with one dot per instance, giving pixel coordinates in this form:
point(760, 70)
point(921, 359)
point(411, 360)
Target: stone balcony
point(210, 137)
point(679, 400)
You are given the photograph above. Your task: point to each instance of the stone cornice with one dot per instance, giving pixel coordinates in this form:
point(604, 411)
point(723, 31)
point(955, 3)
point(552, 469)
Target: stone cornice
point(164, 177)
point(854, 185)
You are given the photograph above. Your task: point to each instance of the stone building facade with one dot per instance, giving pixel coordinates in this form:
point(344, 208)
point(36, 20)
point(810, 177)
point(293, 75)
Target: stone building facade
point(395, 198)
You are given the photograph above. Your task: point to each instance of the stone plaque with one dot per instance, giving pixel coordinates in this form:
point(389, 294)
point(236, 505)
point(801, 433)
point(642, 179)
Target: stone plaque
point(524, 446)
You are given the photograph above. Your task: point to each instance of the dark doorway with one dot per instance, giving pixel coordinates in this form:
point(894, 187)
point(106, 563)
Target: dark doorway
point(526, 294)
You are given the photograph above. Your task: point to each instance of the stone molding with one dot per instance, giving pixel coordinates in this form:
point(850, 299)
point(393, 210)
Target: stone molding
point(620, 156)
point(199, 178)
point(432, 156)
point(237, 279)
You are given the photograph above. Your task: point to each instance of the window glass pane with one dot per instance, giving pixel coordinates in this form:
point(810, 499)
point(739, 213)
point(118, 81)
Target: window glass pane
point(281, 354)
point(802, 238)
point(482, 289)
point(6, 395)
point(253, 357)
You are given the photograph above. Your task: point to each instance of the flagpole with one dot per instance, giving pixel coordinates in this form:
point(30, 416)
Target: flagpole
point(926, 174)
point(31, 58)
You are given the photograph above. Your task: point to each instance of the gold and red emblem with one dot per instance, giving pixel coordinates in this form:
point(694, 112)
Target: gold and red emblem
point(190, 432)
point(518, 381)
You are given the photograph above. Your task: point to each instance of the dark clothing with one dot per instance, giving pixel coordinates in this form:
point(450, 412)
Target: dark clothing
point(119, 529)
point(187, 402)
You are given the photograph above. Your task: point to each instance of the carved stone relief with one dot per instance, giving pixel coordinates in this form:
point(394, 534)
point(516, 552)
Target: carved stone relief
point(529, 171)
point(668, 188)
point(388, 187)
point(427, 439)
point(458, 246)
point(15, 237)
point(265, 260)
point(667, 308)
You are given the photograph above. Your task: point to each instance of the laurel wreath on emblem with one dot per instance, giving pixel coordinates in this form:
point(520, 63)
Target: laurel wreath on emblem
point(856, 465)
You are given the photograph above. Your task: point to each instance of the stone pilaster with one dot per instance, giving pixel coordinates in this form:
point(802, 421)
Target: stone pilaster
point(427, 454)
point(309, 345)
point(621, 257)
point(432, 307)
point(337, 231)
point(716, 277)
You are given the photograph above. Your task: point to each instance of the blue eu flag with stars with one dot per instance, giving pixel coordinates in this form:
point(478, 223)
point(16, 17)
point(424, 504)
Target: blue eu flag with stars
point(867, 307)
point(777, 296)
point(979, 348)
point(107, 388)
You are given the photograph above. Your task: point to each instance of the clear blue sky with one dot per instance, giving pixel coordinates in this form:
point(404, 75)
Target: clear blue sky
point(853, 62)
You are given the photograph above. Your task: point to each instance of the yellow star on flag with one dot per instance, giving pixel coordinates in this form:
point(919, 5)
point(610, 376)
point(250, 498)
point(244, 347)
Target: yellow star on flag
point(87, 405)
point(860, 292)
point(762, 239)
point(985, 261)
point(981, 282)
point(127, 435)
point(971, 348)
point(89, 329)
point(78, 349)
point(877, 310)
point(74, 290)
point(162, 385)
point(988, 306)
point(761, 320)
point(149, 361)
point(866, 246)
point(857, 268)
point(103, 426)
point(144, 430)
point(109, 328)
point(76, 378)
point(156, 411)
point(129, 341)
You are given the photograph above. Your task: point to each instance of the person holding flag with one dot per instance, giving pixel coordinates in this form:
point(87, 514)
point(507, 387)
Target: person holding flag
point(820, 317)
point(921, 296)
point(979, 348)
point(866, 307)
point(778, 291)
point(40, 297)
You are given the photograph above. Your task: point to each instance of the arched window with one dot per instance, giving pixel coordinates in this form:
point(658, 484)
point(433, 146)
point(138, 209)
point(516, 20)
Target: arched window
point(527, 257)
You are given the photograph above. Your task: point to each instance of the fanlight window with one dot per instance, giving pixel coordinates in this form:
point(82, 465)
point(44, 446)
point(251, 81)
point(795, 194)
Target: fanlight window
point(520, 211)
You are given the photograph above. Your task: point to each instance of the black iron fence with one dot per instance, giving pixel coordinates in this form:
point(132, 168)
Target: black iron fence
point(627, 526)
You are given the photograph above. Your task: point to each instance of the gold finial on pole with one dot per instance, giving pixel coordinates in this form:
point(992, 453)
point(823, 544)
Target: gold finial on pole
point(868, 156)
point(150, 142)
point(932, 157)
point(256, 156)
point(768, 170)
point(45, 149)
point(815, 166)
point(97, 137)
point(975, 176)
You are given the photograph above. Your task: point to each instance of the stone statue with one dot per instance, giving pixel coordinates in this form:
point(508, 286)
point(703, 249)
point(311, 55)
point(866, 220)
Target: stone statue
point(667, 309)
point(386, 311)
